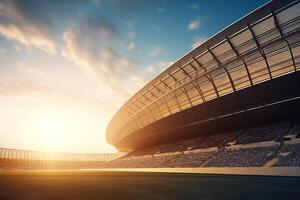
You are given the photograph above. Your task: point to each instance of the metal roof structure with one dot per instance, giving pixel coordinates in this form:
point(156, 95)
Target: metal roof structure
point(259, 47)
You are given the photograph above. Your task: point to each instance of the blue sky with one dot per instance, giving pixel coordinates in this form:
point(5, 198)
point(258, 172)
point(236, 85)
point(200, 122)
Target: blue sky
point(66, 66)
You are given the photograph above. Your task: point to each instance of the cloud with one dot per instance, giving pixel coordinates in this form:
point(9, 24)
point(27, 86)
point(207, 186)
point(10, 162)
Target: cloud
point(160, 10)
point(46, 95)
point(194, 6)
point(157, 67)
point(138, 81)
point(88, 45)
point(131, 34)
point(2, 50)
point(156, 28)
point(17, 48)
point(197, 41)
point(131, 46)
point(21, 67)
point(19, 23)
point(154, 51)
point(194, 24)
point(22, 87)
point(128, 62)
point(148, 73)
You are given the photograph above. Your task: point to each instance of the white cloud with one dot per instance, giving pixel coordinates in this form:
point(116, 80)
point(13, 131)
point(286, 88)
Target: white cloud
point(17, 26)
point(194, 6)
point(29, 70)
point(2, 50)
point(194, 24)
point(157, 28)
point(138, 81)
point(47, 94)
point(18, 48)
point(88, 48)
point(197, 41)
point(131, 34)
point(160, 10)
point(131, 46)
point(157, 67)
point(154, 51)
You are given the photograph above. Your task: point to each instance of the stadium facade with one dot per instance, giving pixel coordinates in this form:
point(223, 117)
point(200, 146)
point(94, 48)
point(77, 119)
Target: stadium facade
point(245, 75)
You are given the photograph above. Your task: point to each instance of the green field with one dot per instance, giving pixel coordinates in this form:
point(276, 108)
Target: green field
point(92, 185)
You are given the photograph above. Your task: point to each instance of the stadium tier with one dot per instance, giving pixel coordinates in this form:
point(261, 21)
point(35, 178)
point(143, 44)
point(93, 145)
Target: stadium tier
point(262, 146)
point(245, 75)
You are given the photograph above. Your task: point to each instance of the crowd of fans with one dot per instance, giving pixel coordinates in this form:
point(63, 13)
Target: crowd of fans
point(296, 129)
point(243, 157)
point(140, 161)
point(242, 148)
point(271, 132)
point(218, 140)
point(193, 159)
point(289, 156)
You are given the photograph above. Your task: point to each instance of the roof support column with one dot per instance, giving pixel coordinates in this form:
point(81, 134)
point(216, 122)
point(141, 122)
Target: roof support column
point(173, 94)
point(167, 105)
point(209, 78)
point(159, 111)
point(221, 66)
point(238, 56)
point(184, 89)
point(156, 104)
point(197, 86)
point(260, 50)
point(159, 90)
point(167, 86)
point(282, 36)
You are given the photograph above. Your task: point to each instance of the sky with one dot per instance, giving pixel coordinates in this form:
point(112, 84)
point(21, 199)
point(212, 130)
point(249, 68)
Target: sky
point(67, 66)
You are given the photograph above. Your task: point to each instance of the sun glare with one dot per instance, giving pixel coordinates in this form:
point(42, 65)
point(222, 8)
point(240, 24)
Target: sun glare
point(51, 130)
point(66, 129)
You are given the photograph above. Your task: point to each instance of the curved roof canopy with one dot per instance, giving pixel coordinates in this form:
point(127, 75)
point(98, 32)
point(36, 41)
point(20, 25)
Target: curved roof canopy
point(261, 46)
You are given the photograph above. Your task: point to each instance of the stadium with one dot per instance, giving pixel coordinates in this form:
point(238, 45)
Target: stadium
point(231, 102)
point(229, 106)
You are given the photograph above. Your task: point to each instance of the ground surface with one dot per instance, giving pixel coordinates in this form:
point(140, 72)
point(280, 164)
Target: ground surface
point(92, 185)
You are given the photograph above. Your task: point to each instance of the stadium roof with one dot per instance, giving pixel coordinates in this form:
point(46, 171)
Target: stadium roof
point(259, 47)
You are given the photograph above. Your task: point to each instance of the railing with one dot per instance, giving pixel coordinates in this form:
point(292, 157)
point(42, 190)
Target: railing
point(38, 159)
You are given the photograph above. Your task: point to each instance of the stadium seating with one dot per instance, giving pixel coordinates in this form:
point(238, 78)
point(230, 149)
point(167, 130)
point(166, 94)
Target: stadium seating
point(244, 157)
point(193, 159)
point(289, 156)
point(296, 129)
point(218, 140)
point(253, 147)
point(140, 162)
point(264, 133)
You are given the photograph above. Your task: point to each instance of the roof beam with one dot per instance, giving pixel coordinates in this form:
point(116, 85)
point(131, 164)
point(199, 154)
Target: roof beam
point(209, 78)
point(233, 48)
point(238, 56)
point(260, 50)
point(282, 36)
point(221, 66)
point(166, 85)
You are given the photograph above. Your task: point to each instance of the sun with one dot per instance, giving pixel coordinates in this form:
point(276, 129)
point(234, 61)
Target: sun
point(50, 129)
